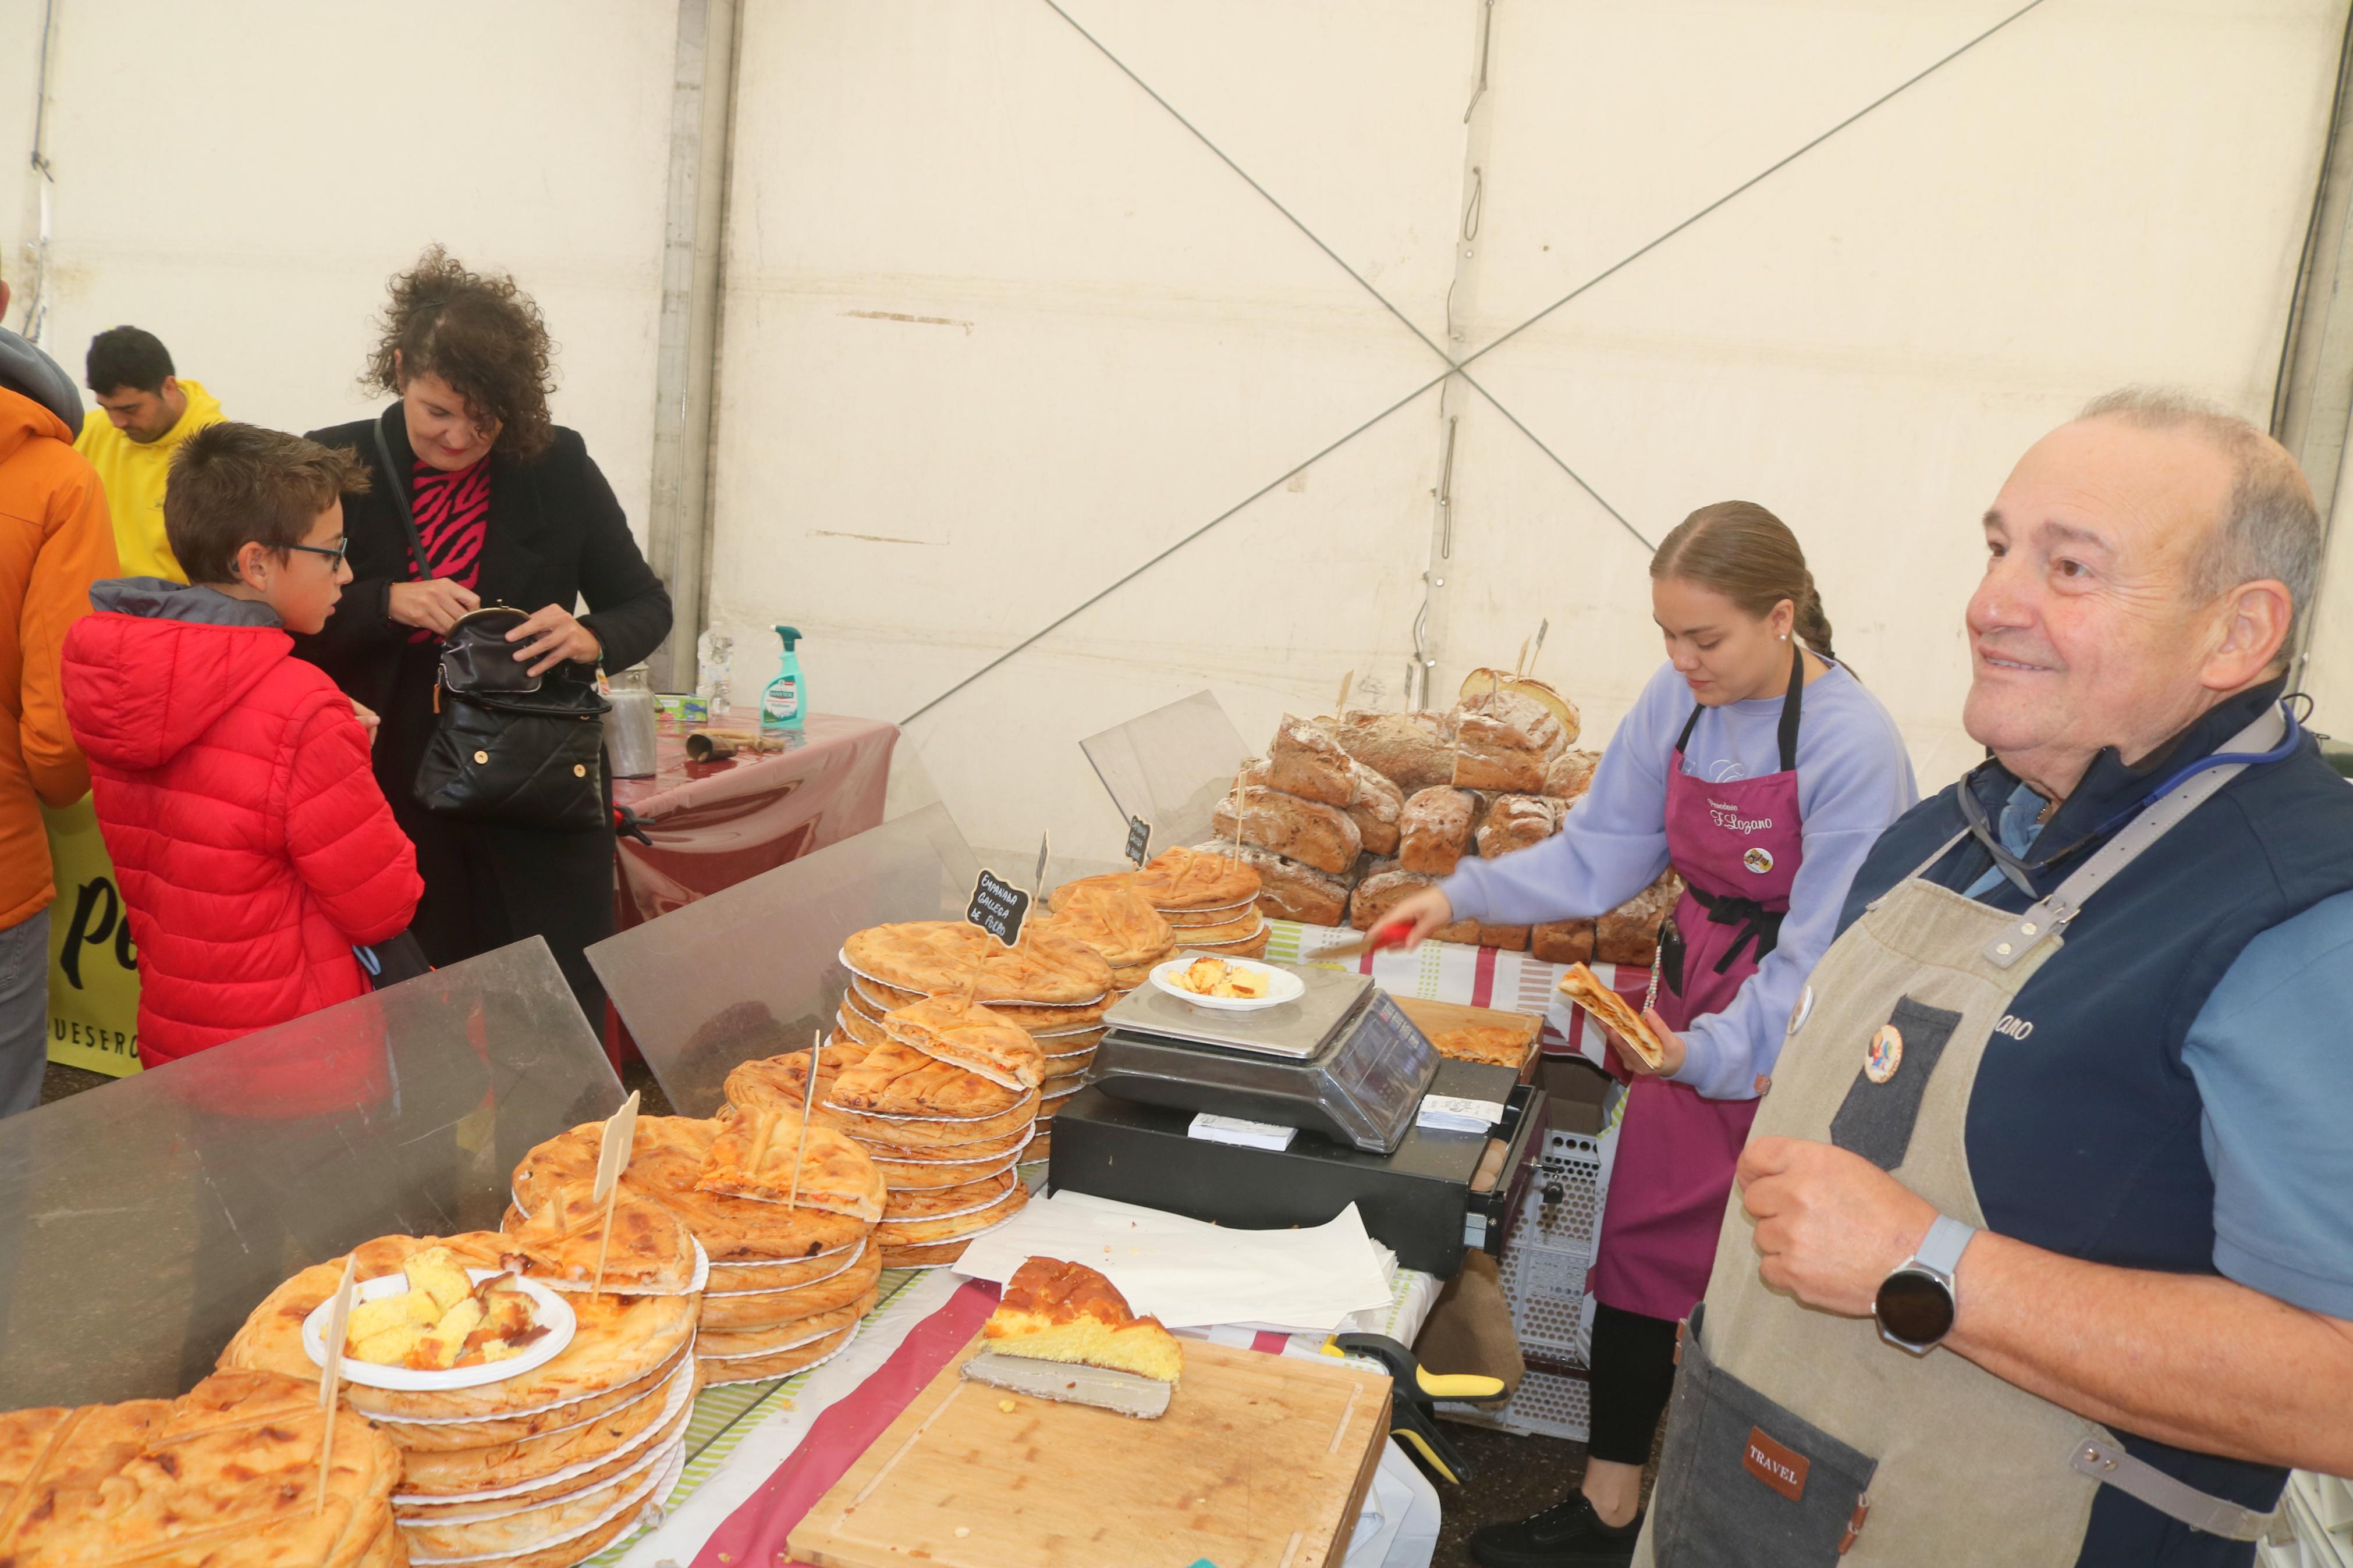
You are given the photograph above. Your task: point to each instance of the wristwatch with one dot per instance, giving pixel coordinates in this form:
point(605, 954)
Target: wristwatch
point(1916, 1304)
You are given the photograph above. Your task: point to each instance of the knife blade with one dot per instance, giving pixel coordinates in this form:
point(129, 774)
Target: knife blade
point(1373, 940)
point(1070, 1382)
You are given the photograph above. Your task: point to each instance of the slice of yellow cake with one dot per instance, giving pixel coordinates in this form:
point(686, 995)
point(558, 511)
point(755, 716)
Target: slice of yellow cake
point(1054, 1310)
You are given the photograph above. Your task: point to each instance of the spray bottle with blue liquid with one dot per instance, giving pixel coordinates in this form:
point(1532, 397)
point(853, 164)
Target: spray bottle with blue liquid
point(785, 702)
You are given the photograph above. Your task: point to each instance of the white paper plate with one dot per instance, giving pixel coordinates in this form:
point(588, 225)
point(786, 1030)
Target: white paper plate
point(662, 1375)
point(887, 1116)
point(548, 1309)
point(675, 1394)
point(649, 1492)
point(719, 1363)
point(779, 1262)
point(1283, 985)
point(950, 1241)
point(886, 1004)
point(952, 1214)
point(771, 1289)
point(984, 1160)
point(708, 1356)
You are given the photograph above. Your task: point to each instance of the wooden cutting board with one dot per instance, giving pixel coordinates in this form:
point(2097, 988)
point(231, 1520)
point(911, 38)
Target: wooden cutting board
point(1260, 1462)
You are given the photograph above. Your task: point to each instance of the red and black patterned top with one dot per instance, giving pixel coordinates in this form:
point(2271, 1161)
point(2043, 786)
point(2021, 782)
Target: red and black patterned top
point(453, 508)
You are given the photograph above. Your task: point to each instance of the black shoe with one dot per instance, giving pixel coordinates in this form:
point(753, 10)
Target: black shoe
point(1568, 1534)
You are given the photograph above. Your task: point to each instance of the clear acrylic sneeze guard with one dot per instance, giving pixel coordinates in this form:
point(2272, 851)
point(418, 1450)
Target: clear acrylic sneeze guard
point(1171, 767)
point(142, 1221)
point(754, 970)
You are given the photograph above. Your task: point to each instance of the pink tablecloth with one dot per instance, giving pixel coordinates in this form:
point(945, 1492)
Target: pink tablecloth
point(715, 825)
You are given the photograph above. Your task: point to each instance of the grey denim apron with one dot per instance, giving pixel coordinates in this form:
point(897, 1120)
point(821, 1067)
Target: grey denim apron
point(1798, 1437)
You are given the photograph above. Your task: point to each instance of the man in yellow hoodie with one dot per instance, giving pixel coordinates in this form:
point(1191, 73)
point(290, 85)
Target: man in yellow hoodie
point(144, 412)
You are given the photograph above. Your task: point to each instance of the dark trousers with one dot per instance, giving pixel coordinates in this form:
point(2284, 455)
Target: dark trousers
point(488, 884)
point(1633, 1374)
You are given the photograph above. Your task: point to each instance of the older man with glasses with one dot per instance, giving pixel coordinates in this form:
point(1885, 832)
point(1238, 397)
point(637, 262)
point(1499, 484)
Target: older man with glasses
point(2043, 1250)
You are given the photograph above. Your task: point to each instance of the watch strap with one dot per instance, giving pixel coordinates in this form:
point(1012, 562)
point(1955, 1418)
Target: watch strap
point(1941, 1248)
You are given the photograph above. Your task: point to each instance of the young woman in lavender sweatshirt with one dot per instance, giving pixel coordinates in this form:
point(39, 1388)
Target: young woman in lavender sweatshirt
point(1761, 770)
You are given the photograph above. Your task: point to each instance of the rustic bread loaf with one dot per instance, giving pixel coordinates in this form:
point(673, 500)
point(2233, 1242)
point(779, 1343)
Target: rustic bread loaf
point(1504, 740)
point(1414, 750)
point(1434, 830)
point(1516, 822)
point(1290, 892)
point(1307, 760)
point(1378, 805)
point(1304, 830)
point(1386, 886)
point(1568, 775)
point(1630, 933)
point(1563, 942)
point(1511, 939)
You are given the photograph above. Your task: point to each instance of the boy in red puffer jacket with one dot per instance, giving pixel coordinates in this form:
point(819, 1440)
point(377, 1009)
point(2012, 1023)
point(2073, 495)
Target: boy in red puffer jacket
point(232, 779)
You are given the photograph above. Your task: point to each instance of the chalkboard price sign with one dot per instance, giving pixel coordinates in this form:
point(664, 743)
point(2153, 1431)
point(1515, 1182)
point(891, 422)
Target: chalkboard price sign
point(997, 908)
point(1139, 841)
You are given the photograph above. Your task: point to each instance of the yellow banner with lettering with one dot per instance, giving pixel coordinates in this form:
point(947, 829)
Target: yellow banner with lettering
point(93, 968)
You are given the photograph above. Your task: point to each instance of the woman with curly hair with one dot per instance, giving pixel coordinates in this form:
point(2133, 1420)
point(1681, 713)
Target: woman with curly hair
point(509, 509)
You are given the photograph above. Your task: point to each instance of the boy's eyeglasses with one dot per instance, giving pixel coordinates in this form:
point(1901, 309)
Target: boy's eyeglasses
point(334, 553)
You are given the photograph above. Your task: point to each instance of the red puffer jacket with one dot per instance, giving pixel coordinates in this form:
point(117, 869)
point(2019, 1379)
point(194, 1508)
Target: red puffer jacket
point(232, 784)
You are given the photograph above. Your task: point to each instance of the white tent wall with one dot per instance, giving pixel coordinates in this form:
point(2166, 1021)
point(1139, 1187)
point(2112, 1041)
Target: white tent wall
point(2100, 193)
point(1000, 330)
point(241, 177)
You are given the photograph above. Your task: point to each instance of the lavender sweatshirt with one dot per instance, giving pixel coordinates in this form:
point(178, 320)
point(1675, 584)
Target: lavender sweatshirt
point(1854, 779)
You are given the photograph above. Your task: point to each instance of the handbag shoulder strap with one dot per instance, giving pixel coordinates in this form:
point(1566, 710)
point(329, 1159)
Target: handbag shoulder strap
point(398, 483)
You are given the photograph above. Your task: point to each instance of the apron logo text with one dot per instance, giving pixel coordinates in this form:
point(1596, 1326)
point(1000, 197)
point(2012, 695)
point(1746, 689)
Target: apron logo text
point(1728, 818)
point(1784, 1470)
point(2016, 1027)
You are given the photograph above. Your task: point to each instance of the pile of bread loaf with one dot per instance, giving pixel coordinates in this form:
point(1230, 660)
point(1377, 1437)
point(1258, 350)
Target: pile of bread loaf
point(545, 1466)
point(1345, 816)
point(227, 1474)
point(791, 1264)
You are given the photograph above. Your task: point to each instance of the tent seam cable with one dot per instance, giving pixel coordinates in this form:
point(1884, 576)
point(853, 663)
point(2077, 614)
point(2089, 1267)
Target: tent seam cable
point(1745, 185)
point(1264, 195)
point(1337, 260)
point(1109, 589)
point(1456, 367)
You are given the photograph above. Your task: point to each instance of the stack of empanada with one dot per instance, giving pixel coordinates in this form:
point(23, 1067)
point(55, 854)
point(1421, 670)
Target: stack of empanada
point(226, 1474)
point(943, 1106)
point(1054, 985)
point(782, 1273)
point(543, 1468)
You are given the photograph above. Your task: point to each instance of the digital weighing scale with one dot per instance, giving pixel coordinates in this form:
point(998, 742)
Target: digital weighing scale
point(1342, 1060)
point(1344, 1066)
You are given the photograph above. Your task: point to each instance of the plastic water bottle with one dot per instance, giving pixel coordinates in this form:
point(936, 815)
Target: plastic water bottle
point(714, 652)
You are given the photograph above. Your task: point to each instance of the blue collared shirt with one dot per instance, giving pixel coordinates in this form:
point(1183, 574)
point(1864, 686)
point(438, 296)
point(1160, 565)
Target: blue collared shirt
point(2272, 1052)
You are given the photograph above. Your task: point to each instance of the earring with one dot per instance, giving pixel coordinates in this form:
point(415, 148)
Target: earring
point(1784, 637)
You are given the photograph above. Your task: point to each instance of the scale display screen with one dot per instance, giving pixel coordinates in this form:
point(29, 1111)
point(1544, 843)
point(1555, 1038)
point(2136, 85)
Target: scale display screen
point(1388, 1061)
point(1346, 1062)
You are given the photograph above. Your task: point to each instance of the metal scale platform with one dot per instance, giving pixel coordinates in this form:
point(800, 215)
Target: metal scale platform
point(1344, 1066)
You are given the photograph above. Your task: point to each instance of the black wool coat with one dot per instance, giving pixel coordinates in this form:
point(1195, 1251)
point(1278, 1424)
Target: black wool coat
point(555, 535)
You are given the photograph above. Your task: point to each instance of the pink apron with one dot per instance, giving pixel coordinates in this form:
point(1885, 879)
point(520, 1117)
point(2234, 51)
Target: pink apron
point(1736, 846)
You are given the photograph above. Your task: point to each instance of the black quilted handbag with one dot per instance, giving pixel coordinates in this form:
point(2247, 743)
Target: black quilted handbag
point(511, 746)
point(507, 746)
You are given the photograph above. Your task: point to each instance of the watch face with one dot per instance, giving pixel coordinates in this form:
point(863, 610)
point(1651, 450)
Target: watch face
point(1915, 1307)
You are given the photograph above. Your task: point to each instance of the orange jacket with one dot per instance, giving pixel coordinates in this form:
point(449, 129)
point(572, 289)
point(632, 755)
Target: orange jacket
point(56, 539)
